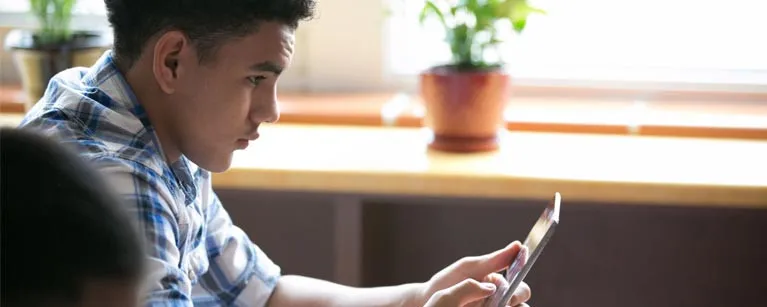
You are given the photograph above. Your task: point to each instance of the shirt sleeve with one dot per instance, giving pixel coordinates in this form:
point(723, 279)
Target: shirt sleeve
point(165, 284)
point(239, 272)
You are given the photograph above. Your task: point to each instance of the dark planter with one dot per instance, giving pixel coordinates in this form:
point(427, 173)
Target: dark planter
point(37, 63)
point(464, 109)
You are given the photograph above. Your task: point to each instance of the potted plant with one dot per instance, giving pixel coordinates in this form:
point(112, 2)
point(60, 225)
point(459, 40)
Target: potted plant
point(41, 53)
point(465, 99)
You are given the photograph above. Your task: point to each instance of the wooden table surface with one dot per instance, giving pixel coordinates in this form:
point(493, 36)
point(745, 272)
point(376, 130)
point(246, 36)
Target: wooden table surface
point(582, 167)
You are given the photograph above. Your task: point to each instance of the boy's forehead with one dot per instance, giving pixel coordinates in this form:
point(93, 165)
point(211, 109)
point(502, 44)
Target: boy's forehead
point(271, 42)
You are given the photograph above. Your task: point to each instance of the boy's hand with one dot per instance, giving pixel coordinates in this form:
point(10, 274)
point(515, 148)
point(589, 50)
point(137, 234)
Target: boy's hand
point(459, 284)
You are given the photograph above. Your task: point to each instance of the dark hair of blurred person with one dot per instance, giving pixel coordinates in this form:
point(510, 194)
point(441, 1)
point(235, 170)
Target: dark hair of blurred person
point(65, 240)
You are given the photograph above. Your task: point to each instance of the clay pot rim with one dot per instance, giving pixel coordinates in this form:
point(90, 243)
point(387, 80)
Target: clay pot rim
point(449, 69)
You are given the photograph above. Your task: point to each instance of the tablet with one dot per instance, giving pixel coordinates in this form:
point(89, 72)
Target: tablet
point(536, 240)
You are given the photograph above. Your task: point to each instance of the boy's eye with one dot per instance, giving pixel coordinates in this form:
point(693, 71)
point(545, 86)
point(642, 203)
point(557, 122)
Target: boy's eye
point(255, 80)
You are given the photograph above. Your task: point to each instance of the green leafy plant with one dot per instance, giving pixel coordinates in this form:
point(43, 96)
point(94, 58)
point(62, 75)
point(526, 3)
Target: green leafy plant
point(471, 26)
point(54, 17)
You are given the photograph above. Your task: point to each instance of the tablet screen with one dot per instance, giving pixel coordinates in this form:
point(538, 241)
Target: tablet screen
point(534, 243)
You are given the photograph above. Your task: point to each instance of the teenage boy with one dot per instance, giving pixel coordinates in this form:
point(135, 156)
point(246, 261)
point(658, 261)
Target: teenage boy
point(187, 84)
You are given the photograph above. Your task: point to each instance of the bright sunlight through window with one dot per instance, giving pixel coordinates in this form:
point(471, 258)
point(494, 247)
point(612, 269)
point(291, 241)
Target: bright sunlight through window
point(661, 41)
point(82, 7)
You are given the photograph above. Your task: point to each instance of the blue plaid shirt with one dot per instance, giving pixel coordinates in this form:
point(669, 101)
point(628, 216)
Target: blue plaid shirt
point(195, 255)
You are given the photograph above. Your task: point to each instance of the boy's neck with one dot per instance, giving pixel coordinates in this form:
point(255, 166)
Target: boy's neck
point(142, 82)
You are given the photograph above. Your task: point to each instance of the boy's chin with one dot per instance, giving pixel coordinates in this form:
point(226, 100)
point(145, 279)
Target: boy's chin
point(218, 164)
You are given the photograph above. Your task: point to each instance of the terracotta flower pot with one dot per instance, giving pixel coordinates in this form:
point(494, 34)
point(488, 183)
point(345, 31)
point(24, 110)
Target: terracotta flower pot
point(464, 109)
point(37, 64)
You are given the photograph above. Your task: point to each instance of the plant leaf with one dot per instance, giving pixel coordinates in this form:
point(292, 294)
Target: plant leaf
point(468, 43)
point(430, 7)
point(519, 11)
point(519, 25)
point(471, 5)
point(460, 39)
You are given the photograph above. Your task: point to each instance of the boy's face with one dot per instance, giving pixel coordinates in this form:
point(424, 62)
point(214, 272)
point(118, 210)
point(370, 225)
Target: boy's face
point(219, 104)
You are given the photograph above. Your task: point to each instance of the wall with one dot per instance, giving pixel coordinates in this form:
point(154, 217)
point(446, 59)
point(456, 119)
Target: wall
point(292, 79)
point(603, 255)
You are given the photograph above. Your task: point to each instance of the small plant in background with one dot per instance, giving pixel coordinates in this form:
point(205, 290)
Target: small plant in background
point(41, 53)
point(471, 27)
point(54, 17)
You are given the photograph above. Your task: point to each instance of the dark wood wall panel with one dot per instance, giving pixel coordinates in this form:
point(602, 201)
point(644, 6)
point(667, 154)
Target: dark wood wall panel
point(603, 255)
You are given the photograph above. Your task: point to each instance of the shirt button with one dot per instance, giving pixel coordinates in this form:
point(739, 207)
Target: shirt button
point(192, 276)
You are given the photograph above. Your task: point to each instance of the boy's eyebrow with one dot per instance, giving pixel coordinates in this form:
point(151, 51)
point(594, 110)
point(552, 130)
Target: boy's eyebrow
point(267, 66)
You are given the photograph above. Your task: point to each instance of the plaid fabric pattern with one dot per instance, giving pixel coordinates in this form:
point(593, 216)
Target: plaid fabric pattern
point(196, 256)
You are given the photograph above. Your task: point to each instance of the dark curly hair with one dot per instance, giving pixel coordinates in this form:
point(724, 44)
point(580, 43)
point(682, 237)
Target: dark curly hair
point(207, 23)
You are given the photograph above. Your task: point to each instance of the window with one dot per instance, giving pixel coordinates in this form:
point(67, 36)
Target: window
point(82, 7)
point(678, 43)
point(356, 65)
point(671, 44)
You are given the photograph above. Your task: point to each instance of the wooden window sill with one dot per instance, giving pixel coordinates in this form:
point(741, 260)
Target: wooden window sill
point(395, 161)
point(11, 99)
point(718, 115)
point(744, 117)
point(530, 165)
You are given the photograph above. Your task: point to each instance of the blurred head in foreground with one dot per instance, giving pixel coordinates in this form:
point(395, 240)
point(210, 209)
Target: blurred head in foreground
point(65, 239)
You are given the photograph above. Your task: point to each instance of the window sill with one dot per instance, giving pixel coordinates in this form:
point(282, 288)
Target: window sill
point(713, 115)
point(395, 161)
point(11, 99)
point(721, 115)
